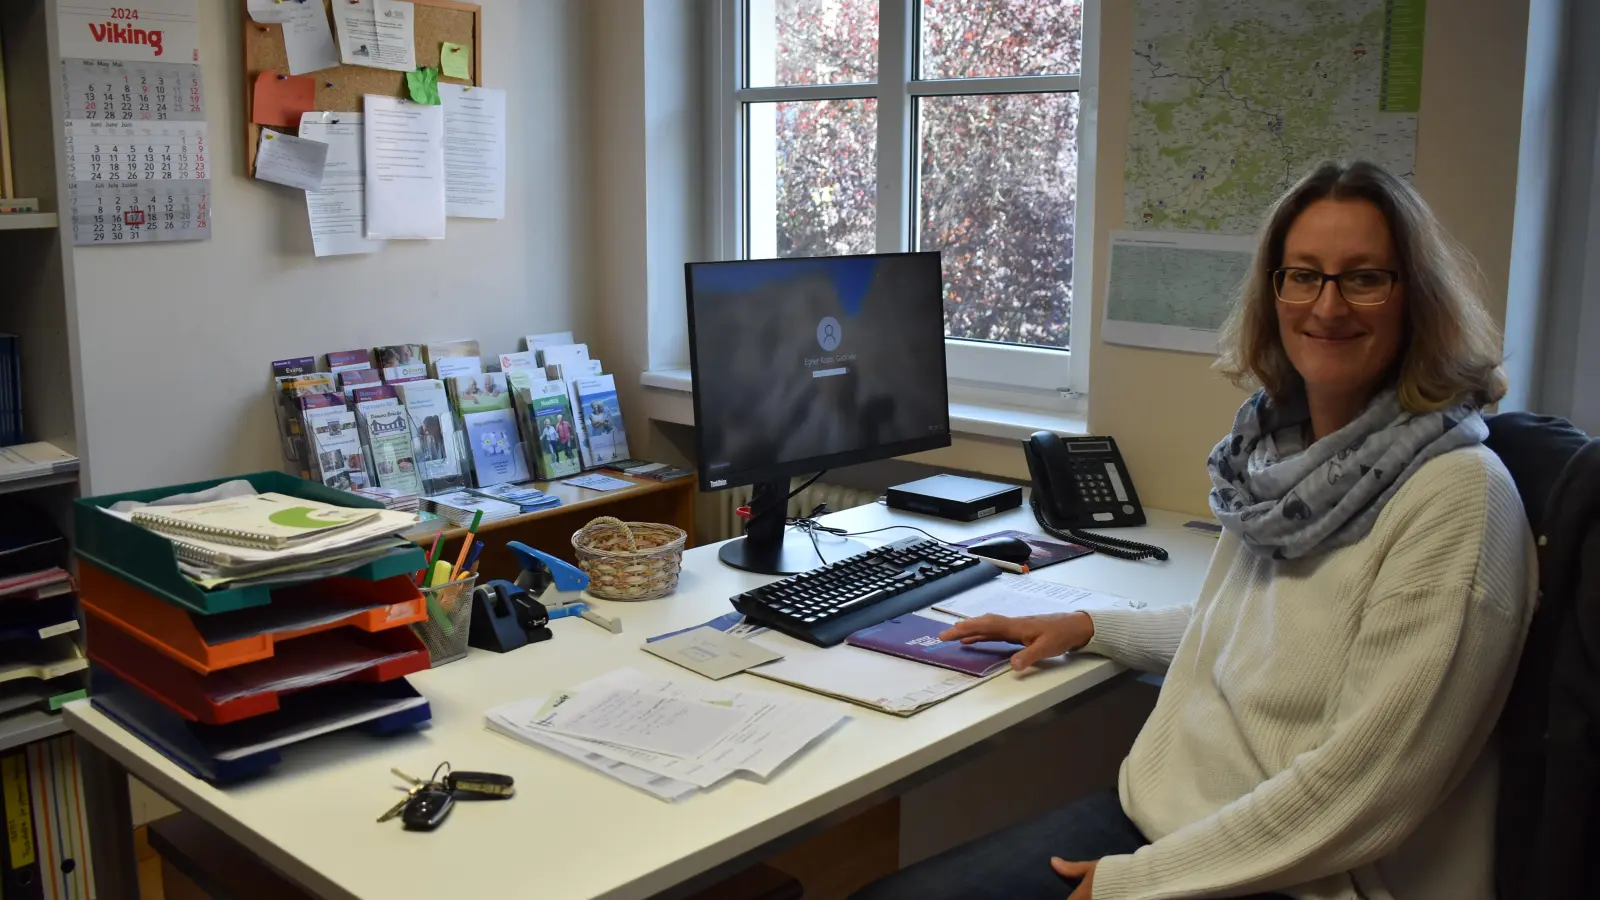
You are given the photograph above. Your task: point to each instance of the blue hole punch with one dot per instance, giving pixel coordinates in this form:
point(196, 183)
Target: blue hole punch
point(507, 615)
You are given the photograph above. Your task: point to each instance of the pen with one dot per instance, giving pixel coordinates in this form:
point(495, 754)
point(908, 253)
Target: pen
point(427, 570)
point(1007, 566)
point(466, 544)
point(472, 558)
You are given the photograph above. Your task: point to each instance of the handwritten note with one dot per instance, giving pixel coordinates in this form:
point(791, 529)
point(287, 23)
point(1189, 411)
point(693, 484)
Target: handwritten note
point(456, 60)
point(286, 159)
point(474, 151)
point(308, 41)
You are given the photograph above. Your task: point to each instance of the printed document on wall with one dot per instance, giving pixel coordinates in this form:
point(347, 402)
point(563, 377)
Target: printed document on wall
point(405, 169)
point(1232, 102)
point(138, 152)
point(338, 211)
point(1173, 290)
point(380, 34)
point(474, 151)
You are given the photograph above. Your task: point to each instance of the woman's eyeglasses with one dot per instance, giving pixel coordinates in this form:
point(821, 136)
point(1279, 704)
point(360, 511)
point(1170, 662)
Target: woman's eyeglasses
point(1359, 287)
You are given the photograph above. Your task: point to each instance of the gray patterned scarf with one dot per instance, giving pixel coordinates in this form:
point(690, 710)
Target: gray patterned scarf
point(1287, 500)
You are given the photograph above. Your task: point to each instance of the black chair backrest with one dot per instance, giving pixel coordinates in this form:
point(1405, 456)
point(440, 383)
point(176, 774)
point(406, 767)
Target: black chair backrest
point(1546, 457)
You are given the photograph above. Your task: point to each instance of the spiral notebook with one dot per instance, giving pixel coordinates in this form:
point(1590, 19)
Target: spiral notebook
point(269, 521)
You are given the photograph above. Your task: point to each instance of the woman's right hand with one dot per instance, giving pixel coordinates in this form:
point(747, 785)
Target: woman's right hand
point(1041, 637)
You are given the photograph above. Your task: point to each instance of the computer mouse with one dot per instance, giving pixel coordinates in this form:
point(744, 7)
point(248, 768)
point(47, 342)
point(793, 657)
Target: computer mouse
point(1006, 549)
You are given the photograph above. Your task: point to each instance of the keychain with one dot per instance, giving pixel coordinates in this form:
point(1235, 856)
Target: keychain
point(428, 803)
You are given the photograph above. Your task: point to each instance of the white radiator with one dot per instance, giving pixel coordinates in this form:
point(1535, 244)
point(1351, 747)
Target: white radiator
point(719, 520)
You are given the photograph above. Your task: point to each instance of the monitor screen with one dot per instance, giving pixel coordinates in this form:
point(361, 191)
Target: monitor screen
point(808, 364)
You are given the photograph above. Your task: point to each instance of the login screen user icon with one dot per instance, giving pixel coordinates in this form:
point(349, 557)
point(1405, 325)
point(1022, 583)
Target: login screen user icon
point(828, 334)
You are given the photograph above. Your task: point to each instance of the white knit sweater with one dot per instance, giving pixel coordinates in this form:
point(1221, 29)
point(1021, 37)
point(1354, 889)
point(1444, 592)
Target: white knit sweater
point(1322, 728)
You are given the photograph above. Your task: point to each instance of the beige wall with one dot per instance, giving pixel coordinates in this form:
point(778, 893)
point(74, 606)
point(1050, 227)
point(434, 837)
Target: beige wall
point(1167, 410)
point(175, 339)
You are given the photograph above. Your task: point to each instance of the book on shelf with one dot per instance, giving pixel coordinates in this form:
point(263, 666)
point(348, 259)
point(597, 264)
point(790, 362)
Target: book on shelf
point(441, 350)
point(389, 497)
point(351, 379)
point(62, 819)
point(11, 431)
point(536, 342)
point(20, 867)
point(459, 507)
point(33, 460)
point(400, 361)
point(389, 447)
point(639, 468)
point(522, 359)
point(601, 415)
point(334, 453)
point(288, 391)
point(484, 404)
point(454, 366)
point(268, 521)
point(340, 361)
point(434, 436)
point(552, 432)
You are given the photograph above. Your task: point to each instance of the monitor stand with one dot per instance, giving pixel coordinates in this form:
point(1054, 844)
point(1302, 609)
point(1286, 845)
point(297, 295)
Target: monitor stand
point(770, 548)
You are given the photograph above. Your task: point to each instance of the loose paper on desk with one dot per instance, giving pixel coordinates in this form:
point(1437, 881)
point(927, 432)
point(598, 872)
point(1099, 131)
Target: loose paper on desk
point(710, 651)
point(872, 679)
point(338, 212)
point(286, 159)
point(1022, 595)
point(599, 483)
point(405, 169)
point(474, 151)
point(377, 33)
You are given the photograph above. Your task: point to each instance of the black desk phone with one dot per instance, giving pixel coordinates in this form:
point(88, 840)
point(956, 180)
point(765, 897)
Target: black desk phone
point(1081, 482)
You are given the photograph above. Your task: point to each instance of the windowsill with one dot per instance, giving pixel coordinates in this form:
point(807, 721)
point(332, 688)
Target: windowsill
point(984, 420)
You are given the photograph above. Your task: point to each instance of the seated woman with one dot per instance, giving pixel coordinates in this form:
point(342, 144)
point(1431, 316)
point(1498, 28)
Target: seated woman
point(1323, 728)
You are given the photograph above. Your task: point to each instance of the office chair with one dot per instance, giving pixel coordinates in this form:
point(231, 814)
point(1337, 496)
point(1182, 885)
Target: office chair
point(1548, 814)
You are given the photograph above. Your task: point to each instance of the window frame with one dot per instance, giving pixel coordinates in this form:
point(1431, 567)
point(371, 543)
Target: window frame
point(979, 371)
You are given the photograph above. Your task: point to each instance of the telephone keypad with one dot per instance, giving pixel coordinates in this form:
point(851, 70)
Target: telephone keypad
point(1092, 484)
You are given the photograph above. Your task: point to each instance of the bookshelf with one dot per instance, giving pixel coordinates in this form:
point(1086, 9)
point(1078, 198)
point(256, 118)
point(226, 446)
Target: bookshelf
point(39, 307)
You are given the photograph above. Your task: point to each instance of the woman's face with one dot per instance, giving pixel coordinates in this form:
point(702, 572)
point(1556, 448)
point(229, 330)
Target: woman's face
point(1339, 348)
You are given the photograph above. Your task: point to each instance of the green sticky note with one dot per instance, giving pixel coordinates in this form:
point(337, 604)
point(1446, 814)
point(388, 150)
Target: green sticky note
point(456, 61)
point(424, 85)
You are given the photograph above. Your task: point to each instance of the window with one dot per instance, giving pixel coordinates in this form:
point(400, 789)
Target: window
point(855, 126)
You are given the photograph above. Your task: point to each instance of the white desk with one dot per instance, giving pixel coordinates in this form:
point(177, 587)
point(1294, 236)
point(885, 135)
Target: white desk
point(571, 832)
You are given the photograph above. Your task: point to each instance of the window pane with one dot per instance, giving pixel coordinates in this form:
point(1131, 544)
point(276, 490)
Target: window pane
point(996, 38)
point(810, 42)
point(997, 190)
point(813, 170)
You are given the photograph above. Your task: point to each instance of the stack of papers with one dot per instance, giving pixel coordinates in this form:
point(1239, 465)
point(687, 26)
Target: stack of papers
point(399, 501)
point(524, 496)
point(32, 460)
point(37, 585)
point(458, 508)
point(664, 737)
point(1021, 595)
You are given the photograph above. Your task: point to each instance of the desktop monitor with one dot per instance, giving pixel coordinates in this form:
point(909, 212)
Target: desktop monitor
point(802, 365)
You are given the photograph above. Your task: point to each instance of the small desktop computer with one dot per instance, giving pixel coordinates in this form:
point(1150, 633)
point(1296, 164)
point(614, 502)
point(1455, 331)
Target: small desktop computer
point(803, 365)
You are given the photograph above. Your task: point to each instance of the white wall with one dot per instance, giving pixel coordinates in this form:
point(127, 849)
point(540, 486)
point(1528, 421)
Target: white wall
point(175, 339)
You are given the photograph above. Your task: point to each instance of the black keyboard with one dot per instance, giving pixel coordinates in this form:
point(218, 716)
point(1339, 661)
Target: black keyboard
point(826, 605)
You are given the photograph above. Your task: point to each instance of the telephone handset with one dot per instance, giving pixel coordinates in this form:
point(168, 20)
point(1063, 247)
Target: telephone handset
point(1081, 482)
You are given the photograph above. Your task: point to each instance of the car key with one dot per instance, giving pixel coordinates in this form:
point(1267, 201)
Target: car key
point(427, 807)
point(480, 785)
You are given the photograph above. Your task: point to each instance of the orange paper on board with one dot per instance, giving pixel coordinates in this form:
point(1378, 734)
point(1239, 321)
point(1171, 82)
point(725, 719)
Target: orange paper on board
point(280, 99)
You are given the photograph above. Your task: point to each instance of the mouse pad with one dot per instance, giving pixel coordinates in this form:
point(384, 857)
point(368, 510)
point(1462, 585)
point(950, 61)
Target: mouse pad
point(1045, 551)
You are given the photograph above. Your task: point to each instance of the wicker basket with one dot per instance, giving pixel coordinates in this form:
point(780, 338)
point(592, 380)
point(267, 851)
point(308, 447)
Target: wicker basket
point(629, 560)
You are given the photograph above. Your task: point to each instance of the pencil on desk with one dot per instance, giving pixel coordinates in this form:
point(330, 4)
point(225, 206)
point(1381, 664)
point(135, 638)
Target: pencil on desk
point(1007, 566)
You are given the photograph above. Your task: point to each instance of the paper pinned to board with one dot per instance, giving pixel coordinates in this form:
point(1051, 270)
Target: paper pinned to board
point(308, 41)
point(423, 85)
point(380, 34)
point(272, 12)
point(456, 60)
point(289, 160)
point(280, 100)
point(338, 212)
point(474, 151)
point(405, 169)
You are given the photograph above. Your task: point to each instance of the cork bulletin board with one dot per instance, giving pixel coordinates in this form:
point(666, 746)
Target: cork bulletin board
point(341, 88)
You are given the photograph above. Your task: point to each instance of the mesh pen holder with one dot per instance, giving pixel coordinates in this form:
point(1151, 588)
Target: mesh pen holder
point(449, 620)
